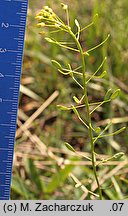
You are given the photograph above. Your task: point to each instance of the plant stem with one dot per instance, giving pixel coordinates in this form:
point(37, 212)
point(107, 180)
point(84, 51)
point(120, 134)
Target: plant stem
point(88, 111)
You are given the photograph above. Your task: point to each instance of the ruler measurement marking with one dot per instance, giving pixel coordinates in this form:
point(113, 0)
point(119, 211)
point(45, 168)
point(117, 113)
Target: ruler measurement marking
point(19, 47)
point(12, 88)
point(4, 149)
point(10, 137)
point(15, 98)
point(12, 50)
point(10, 75)
point(11, 133)
point(4, 185)
point(13, 121)
point(22, 21)
point(15, 26)
point(8, 100)
point(6, 161)
point(14, 109)
point(19, 1)
point(9, 170)
point(9, 156)
point(16, 52)
point(6, 125)
point(8, 166)
point(21, 36)
point(4, 173)
point(18, 39)
point(16, 82)
point(15, 63)
point(21, 13)
point(11, 113)
point(15, 93)
point(7, 179)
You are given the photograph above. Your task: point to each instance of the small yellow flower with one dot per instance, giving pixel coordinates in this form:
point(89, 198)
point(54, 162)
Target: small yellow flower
point(38, 17)
point(42, 33)
point(64, 6)
point(48, 9)
point(42, 24)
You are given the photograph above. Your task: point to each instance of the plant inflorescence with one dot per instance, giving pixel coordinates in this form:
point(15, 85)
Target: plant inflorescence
point(48, 18)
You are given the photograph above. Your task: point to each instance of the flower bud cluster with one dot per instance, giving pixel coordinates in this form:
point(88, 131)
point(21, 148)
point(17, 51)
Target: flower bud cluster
point(46, 17)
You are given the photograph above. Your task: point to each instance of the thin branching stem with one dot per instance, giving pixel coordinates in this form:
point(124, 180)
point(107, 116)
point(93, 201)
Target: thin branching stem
point(88, 110)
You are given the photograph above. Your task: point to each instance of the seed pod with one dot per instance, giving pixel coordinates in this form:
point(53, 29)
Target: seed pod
point(118, 155)
point(108, 94)
point(76, 99)
point(98, 130)
point(115, 94)
point(70, 147)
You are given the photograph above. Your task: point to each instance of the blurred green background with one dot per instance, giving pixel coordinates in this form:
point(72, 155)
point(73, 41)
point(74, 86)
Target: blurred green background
point(43, 167)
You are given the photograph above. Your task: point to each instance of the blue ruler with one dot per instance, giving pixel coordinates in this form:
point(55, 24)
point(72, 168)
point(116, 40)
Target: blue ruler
point(12, 29)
